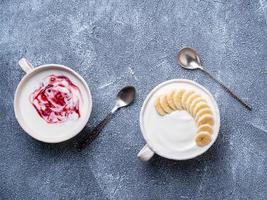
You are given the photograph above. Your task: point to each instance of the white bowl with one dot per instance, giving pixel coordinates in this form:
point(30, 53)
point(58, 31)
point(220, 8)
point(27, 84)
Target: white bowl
point(28, 117)
point(149, 114)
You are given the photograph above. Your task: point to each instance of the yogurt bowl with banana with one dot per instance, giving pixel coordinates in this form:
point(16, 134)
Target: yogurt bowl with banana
point(179, 120)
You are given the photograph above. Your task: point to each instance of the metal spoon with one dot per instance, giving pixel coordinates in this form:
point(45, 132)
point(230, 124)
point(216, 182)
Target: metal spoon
point(124, 98)
point(189, 59)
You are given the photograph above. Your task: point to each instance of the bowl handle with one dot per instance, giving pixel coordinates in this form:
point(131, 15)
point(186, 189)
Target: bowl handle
point(145, 153)
point(25, 65)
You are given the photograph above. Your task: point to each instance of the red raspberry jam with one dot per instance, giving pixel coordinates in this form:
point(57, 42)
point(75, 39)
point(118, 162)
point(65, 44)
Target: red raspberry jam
point(57, 99)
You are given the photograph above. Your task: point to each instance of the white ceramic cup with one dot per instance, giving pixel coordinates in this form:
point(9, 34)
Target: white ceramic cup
point(153, 147)
point(28, 117)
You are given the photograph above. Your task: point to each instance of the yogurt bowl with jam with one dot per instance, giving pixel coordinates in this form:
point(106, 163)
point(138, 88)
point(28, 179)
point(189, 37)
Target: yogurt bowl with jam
point(52, 102)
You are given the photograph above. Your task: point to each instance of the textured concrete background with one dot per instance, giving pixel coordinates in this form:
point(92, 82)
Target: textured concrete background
point(115, 43)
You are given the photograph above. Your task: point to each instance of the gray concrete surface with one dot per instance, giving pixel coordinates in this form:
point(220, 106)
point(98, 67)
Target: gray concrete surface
point(115, 43)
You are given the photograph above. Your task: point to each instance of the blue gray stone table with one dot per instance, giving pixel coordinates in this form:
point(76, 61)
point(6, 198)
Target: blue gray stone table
point(116, 43)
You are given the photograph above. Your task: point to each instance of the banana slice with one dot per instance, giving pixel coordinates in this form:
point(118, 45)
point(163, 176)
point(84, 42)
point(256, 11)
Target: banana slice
point(198, 107)
point(206, 128)
point(158, 107)
point(170, 100)
point(164, 104)
point(206, 119)
point(193, 104)
point(177, 98)
point(189, 101)
point(203, 138)
point(202, 112)
point(185, 97)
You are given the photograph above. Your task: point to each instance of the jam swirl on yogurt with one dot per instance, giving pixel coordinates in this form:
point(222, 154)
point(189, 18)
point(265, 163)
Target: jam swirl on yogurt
point(57, 99)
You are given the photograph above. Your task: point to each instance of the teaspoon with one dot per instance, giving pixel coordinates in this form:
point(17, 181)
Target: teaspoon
point(189, 59)
point(124, 98)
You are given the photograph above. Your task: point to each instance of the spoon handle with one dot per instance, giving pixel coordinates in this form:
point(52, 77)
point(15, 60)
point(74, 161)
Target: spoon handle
point(229, 91)
point(90, 137)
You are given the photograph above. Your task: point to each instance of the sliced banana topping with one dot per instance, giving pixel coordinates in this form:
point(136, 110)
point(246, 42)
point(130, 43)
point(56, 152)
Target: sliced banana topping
point(190, 99)
point(198, 107)
point(203, 138)
point(205, 127)
point(206, 119)
point(185, 97)
point(158, 107)
point(170, 99)
point(195, 105)
point(177, 98)
point(202, 112)
point(164, 104)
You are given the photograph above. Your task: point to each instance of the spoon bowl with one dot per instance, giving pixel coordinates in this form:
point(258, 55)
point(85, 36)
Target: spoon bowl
point(125, 96)
point(189, 59)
